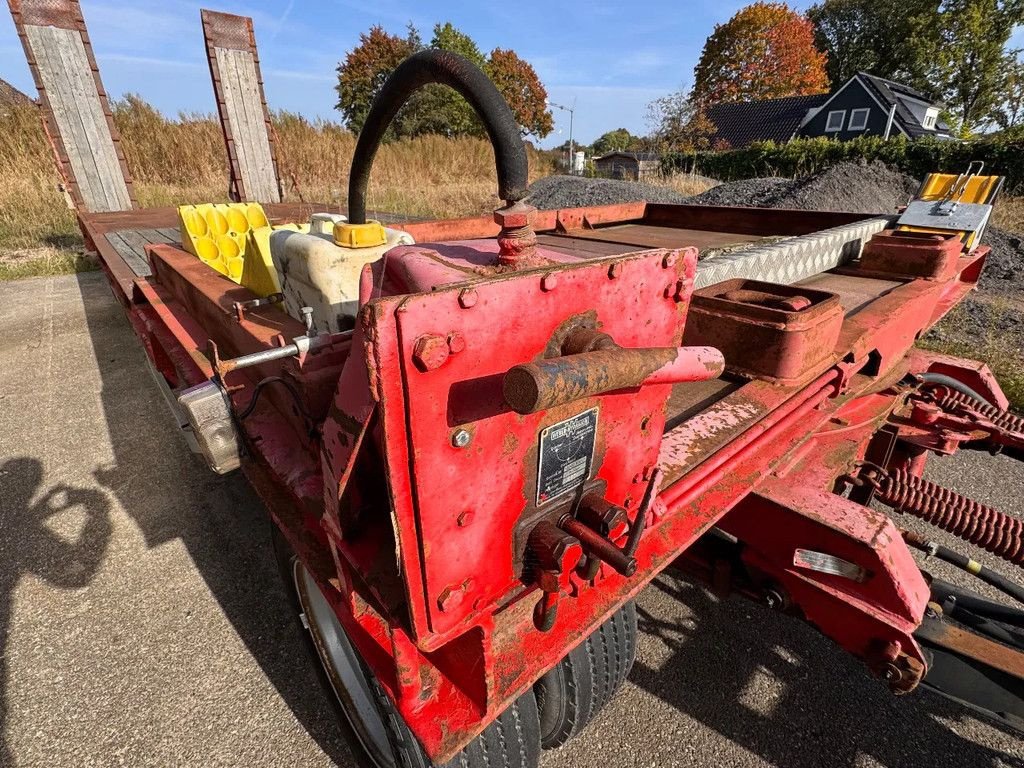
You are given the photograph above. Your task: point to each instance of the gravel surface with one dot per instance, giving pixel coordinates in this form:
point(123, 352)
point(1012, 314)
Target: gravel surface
point(142, 621)
point(857, 187)
point(575, 192)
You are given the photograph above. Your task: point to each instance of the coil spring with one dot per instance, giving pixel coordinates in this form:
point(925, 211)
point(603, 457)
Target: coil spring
point(1005, 420)
point(972, 521)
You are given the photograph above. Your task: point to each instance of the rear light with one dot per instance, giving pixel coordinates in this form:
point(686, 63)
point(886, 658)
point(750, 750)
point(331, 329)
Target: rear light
point(209, 415)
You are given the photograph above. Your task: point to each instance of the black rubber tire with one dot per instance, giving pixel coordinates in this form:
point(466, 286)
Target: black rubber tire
point(575, 690)
point(511, 741)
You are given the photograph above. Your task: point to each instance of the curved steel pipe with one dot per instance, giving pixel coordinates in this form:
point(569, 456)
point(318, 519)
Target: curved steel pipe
point(457, 72)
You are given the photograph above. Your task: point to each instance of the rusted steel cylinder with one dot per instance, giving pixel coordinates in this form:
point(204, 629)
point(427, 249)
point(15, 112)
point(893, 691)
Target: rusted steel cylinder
point(533, 387)
point(972, 521)
point(600, 547)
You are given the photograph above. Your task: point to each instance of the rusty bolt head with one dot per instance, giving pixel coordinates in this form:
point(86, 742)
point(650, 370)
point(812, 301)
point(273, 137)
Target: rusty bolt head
point(615, 270)
point(549, 281)
point(456, 342)
point(461, 438)
point(515, 216)
point(430, 351)
point(464, 519)
point(452, 596)
point(467, 298)
point(670, 260)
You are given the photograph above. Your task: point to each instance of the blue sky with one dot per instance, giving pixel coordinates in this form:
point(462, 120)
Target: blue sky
point(610, 59)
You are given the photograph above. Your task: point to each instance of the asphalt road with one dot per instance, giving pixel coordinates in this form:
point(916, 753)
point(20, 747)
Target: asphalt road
point(142, 621)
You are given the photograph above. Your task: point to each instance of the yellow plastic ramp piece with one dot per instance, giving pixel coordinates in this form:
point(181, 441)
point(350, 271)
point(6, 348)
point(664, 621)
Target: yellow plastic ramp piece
point(220, 235)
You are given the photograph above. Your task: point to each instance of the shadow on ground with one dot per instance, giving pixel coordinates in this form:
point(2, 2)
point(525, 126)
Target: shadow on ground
point(824, 708)
point(30, 548)
point(220, 520)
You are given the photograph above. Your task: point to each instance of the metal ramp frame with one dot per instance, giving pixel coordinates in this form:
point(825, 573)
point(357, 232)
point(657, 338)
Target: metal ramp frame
point(75, 109)
point(242, 106)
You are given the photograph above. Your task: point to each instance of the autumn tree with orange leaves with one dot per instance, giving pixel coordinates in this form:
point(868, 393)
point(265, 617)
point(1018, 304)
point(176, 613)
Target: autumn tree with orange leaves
point(765, 51)
point(437, 109)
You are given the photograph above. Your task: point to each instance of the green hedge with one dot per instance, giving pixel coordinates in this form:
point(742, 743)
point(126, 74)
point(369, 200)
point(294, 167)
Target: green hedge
point(802, 157)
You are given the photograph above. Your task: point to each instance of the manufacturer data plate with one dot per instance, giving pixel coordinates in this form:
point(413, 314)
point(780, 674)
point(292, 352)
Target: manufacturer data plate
point(566, 453)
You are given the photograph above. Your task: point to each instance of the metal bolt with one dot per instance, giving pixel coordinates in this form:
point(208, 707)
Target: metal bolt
point(307, 318)
point(467, 298)
point(615, 270)
point(773, 599)
point(452, 596)
point(456, 342)
point(548, 282)
point(430, 351)
point(891, 673)
point(461, 438)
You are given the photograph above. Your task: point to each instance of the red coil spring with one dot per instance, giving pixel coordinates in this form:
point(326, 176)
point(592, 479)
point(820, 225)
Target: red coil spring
point(1006, 421)
point(972, 521)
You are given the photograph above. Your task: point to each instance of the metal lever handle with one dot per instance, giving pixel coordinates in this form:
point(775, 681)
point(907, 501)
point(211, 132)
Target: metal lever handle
point(533, 387)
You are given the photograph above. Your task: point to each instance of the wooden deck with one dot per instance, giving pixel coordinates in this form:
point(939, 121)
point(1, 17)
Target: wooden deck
point(130, 245)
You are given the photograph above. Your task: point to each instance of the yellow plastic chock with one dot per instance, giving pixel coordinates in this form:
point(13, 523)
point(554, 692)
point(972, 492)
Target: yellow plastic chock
point(220, 235)
point(366, 235)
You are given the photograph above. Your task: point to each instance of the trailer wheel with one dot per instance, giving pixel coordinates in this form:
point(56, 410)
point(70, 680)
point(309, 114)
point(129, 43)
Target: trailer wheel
point(575, 690)
point(382, 739)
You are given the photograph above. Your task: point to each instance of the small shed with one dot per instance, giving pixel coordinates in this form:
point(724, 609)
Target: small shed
point(628, 165)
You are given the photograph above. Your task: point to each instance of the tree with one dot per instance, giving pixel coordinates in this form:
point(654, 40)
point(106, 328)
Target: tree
point(365, 69)
point(893, 39)
point(619, 139)
point(765, 51)
point(972, 64)
point(437, 109)
point(679, 124)
point(517, 81)
point(1010, 114)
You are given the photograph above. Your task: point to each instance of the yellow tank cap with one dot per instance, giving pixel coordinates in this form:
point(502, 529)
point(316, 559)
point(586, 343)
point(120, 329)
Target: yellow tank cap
point(366, 235)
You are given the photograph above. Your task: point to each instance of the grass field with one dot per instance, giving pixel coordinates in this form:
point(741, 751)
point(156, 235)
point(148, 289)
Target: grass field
point(184, 161)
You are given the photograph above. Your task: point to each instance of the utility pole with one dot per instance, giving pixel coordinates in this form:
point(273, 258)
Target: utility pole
point(572, 155)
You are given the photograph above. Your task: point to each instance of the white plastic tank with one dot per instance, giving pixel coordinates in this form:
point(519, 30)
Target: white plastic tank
point(317, 270)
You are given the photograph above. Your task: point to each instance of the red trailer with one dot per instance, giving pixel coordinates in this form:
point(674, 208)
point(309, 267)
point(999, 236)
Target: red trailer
point(536, 414)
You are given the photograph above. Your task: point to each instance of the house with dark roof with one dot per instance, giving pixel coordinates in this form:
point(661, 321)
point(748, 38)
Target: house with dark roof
point(864, 105)
point(740, 123)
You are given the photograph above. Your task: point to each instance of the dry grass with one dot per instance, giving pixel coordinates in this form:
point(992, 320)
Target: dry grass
point(685, 183)
point(184, 161)
point(1009, 213)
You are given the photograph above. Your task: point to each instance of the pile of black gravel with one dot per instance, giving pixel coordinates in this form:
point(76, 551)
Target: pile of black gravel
point(553, 192)
point(1004, 267)
point(856, 187)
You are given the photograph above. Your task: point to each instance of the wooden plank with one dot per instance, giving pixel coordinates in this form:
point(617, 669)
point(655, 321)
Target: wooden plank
point(133, 258)
point(173, 235)
point(74, 99)
point(251, 138)
point(108, 184)
point(154, 236)
point(68, 121)
point(646, 236)
point(255, 153)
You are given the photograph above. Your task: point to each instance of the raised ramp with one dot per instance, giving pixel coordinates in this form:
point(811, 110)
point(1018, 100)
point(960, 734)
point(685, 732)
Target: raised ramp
point(76, 112)
point(238, 85)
